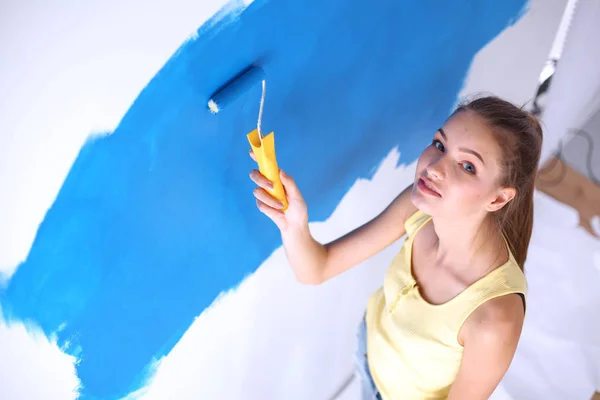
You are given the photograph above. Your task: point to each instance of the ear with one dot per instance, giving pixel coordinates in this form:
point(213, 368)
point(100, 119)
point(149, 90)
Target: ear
point(502, 198)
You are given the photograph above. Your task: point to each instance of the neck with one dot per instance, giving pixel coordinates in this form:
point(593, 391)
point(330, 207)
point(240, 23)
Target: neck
point(467, 243)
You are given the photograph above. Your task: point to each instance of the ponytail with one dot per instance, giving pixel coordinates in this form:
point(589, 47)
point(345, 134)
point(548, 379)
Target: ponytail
point(517, 224)
point(519, 135)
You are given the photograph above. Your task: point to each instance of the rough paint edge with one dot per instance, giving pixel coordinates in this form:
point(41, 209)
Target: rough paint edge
point(36, 333)
point(143, 382)
point(511, 22)
point(226, 15)
point(522, 12)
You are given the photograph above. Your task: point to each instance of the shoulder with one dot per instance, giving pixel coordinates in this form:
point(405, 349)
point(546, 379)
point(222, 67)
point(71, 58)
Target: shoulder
point(491, 338)
point(415, 221)
point(498, 320)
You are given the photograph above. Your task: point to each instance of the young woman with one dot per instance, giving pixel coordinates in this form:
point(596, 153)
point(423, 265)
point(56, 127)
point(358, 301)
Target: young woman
point(446, 322)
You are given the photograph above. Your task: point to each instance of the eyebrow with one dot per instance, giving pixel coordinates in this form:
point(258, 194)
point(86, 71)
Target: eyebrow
point(476, 154)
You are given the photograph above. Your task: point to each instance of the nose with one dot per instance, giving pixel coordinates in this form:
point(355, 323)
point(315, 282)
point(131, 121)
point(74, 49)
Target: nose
point(435, 169)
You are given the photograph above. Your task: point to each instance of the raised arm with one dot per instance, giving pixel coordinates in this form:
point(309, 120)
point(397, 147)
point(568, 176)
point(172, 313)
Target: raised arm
point(368, 239)
point(313, 262)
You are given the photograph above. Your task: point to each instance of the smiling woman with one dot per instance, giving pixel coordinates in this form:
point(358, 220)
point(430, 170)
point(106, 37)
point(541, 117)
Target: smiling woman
point(454, 167)
point(448, 317)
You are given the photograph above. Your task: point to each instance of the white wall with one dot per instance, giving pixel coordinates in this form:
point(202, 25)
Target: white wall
point(575, 91)
point(48, 119)
point(510, 65)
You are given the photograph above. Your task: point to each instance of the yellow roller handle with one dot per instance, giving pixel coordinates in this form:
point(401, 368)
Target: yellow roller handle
point(267, 163)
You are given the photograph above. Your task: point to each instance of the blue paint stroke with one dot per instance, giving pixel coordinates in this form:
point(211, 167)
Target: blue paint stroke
point(155, 220)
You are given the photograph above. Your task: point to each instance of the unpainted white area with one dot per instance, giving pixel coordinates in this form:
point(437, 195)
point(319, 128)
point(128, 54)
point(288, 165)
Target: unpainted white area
point(574, 95)
point(511, 64)
point(33, 367)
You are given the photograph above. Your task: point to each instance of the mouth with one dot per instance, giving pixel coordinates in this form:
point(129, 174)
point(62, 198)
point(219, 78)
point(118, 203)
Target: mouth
point(427, 187)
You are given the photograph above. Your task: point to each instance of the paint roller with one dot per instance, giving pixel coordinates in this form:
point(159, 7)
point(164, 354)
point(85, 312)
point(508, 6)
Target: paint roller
point(262, 146)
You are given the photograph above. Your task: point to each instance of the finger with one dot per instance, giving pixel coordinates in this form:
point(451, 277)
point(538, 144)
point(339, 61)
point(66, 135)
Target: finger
point(262, 195)
point(276, 216)
point(251, 153)
point(289, 185)
point(260, 179)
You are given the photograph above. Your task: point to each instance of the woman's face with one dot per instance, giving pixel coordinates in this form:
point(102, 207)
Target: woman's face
point(458, 174)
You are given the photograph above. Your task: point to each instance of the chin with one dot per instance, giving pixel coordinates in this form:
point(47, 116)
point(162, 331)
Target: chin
point(418, 199)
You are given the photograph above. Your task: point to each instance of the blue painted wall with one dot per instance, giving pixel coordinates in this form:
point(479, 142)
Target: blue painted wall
point(155, 220)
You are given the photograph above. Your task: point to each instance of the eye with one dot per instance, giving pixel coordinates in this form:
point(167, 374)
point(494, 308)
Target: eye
point(436, 143)
point(467, 166)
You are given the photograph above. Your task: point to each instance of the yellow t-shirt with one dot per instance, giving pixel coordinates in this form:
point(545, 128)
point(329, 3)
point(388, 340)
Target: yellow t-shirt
point(412, 345)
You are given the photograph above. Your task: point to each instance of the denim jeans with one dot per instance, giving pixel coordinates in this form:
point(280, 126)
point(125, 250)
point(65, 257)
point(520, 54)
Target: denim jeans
point(369, 390)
